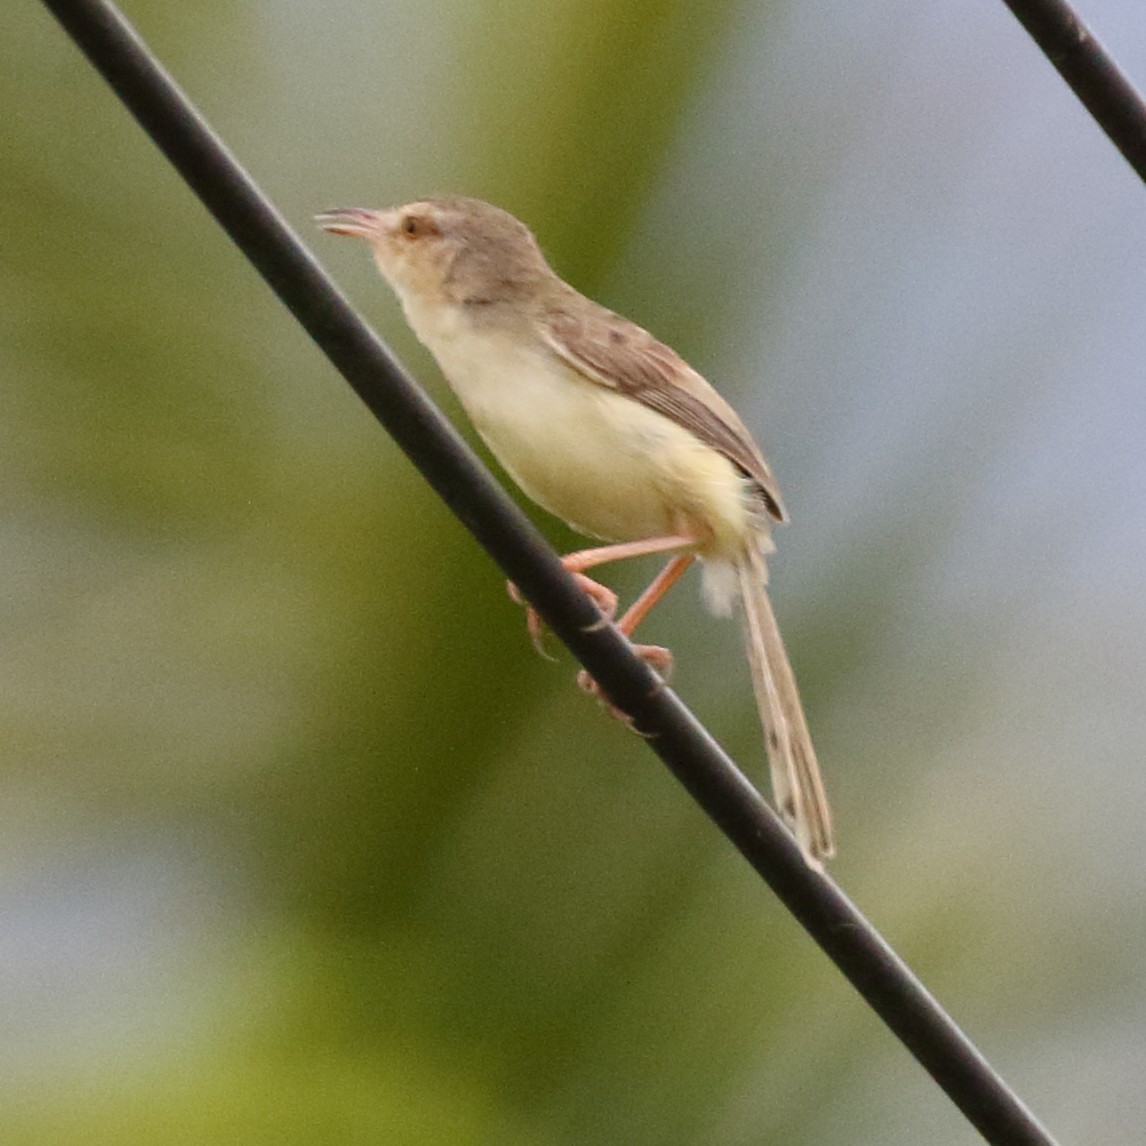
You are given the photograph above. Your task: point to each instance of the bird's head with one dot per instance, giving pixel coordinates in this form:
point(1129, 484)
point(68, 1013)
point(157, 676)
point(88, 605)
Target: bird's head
point(460, 251)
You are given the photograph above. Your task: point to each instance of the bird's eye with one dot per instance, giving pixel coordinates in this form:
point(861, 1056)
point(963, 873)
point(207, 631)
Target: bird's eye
point(419, 226)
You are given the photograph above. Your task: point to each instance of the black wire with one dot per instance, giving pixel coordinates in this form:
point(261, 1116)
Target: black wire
point(457, 475)
point(1092, 75)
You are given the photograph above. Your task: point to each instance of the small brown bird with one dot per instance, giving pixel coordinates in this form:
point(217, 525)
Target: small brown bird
point(611, 431)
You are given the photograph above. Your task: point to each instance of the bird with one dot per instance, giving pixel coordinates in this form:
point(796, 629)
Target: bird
point(610, 430)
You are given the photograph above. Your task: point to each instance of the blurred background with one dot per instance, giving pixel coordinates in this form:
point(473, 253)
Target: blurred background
point(299, 841)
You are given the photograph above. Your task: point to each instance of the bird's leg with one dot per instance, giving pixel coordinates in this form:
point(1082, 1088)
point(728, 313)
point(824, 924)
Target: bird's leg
point(604, 597)
point(656, 657)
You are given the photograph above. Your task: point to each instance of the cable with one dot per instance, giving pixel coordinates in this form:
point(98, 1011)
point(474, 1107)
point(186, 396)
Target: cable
point(458, 476)
point(1090, 72)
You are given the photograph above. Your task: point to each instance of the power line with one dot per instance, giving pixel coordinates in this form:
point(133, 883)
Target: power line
point(1090, 72)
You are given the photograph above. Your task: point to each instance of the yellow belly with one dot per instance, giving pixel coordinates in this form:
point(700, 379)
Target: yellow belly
point(603, 463)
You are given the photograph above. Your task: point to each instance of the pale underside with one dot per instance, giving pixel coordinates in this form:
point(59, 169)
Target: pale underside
point(602, 462)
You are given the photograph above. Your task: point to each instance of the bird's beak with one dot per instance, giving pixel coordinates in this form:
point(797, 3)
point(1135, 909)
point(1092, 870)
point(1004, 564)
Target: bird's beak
point(355, 221)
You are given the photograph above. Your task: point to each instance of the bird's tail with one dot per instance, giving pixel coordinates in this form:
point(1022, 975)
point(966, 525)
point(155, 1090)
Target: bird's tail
point(796, 783)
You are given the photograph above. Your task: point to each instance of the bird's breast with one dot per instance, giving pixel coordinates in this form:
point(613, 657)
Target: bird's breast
point(602, 462)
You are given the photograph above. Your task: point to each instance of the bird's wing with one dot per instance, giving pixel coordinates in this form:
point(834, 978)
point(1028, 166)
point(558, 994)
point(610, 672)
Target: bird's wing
point(613, 352)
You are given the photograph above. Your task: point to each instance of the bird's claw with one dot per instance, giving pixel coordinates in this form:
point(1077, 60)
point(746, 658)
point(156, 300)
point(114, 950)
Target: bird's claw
point(603, 597)
point(659, 659)
point(534, 625)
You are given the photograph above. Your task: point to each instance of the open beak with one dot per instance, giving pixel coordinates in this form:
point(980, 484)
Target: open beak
point(355, 221)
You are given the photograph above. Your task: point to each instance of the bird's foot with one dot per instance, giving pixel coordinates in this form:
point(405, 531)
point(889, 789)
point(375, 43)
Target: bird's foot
point(659, 659)
point(603, 597)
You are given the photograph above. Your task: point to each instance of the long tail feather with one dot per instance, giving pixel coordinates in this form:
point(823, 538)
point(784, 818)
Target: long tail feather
point(796, 782)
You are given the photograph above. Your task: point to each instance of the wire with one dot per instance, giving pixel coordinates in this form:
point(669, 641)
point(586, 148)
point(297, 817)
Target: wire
point(1090, 72)
point(713, 780)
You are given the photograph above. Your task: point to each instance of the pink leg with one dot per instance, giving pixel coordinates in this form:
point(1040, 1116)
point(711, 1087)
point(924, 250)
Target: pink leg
point(661, 584)
point(658, 658)
point(586, 558)
point(604, 598)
